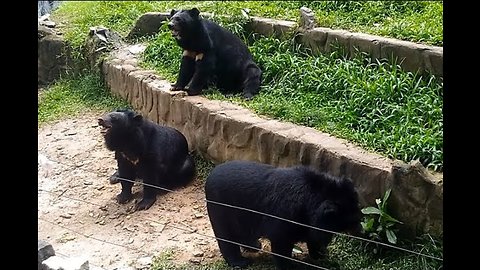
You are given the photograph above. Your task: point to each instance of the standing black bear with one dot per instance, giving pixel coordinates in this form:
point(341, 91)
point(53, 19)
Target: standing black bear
point(212, 54)
point(157, 154)
point(300, 194)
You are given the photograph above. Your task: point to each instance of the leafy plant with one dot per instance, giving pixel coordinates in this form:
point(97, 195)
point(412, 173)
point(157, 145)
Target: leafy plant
point(378, 223)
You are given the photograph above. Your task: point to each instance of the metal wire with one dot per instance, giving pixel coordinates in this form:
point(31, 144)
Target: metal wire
point(173, 226)
point(272, 216)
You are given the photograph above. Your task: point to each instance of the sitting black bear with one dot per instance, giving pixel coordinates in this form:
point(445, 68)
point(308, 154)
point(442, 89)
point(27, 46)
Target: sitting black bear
point(300, 194)
point(212, 54)
point(157, 154)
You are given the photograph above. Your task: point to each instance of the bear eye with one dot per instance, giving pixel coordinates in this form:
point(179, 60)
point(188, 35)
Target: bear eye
point(114, 118)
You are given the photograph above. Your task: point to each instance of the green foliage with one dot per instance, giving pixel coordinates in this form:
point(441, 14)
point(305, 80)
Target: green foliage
point(377, 223)
point(74, 95)
point(357, 99)
point(202, 167)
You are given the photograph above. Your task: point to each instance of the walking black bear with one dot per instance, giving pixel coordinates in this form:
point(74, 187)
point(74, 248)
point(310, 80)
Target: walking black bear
point(298, 193)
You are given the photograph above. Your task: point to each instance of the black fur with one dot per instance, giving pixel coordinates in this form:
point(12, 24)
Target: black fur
point(299, 193)
point(157, 154)
point(226, 59)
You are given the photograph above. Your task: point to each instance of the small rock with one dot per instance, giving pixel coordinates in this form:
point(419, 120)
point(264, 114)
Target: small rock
point(66, 215)
point(195, 260)
point(198, 215)
point(135, 49)
point(58, 263)
point(198, 253)
point(66, 238)
point(45, 251)
point(307, 18)
point(144, 263)
point(131, 240)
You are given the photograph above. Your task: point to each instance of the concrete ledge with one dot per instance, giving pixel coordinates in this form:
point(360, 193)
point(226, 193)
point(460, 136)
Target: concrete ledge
point(223, 131)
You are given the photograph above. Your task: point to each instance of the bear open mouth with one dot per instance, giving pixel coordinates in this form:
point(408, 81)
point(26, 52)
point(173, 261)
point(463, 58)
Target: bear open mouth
point(175, 33)
point(105, 127)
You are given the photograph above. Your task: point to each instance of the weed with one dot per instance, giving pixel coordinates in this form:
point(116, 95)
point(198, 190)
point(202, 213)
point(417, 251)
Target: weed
point(377, 223)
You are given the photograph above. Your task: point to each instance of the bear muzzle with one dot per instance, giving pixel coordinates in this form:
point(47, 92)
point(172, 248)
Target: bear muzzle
point(105, 125)
point(174, 29)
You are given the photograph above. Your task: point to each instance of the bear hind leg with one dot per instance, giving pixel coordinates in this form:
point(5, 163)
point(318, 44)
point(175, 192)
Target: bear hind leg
point(284, 249)
point(231, 254)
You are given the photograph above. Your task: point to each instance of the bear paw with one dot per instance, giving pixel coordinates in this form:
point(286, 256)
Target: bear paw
point(193, 92)
point(123, 198)
point(247, 96)
point(144, 204)
point(113, 179)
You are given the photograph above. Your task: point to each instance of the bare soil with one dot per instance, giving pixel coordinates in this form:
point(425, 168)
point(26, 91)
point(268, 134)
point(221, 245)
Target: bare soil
point(79, 216)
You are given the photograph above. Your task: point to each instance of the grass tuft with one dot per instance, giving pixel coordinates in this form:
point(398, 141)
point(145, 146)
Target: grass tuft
point(74, 95)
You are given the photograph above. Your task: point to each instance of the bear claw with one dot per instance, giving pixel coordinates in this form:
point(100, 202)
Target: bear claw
point(144, 204)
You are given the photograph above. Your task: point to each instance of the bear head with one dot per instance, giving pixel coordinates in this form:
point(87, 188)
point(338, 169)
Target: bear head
point(339, 211)
point(119, 128)
point(183, 23)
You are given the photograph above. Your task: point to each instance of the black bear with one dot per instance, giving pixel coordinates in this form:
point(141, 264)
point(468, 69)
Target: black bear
point(212, 54)
point(300, 194)
point(157, 154)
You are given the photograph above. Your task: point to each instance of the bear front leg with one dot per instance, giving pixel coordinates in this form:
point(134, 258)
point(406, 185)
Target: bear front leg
point(149, 191)
point(125, 171)
point(316, 250)
point(317, 246)
point(204, 64)
point(231, 254)
point(187, 68)
point(251, 83)
point(284, 249)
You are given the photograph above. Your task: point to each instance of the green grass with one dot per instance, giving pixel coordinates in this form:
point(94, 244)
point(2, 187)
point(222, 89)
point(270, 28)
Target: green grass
point(202, 167)
point(373, 104)
point(344, 254)
point(419, 21)
point(75, 95)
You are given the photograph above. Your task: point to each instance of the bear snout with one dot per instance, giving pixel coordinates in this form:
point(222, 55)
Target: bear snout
point(170, 25)
point(101, 122)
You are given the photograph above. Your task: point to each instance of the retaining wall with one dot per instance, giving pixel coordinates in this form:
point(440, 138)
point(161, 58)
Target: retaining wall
point(223, 131)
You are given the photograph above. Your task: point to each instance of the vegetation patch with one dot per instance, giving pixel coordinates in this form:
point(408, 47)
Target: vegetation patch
point(372, 103)
point(75, 95)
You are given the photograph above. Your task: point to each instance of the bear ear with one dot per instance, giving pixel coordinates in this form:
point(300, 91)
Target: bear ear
point(138, 119)
point(173, 12)
point(194, 12)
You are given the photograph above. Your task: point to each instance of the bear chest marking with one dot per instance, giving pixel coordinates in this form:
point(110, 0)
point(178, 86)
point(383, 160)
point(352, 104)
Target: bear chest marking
point(192, 54)
point(133, 161)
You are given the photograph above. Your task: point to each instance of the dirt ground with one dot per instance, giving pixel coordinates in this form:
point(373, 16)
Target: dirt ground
point(78, 214)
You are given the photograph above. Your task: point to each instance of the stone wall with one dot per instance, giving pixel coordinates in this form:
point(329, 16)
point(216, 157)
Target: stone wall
point(223, 131)
point(52, 55)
